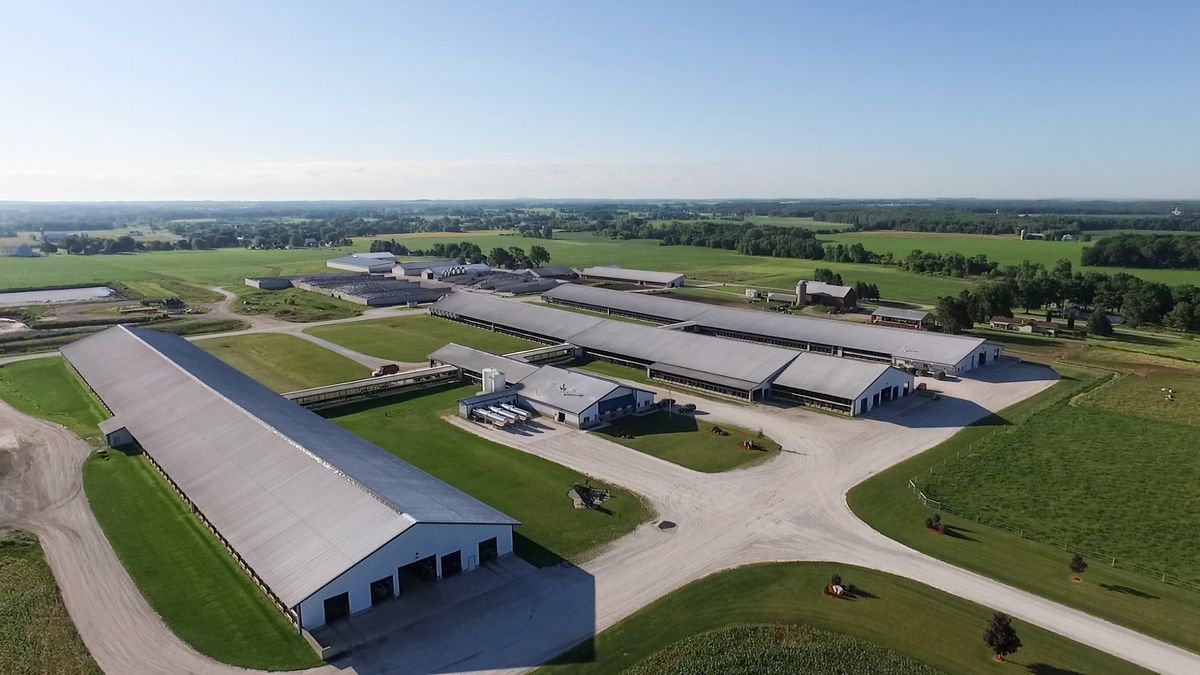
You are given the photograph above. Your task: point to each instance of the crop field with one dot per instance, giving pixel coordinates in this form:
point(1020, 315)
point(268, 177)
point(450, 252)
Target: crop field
point(1006, 250)
point(525, 487)
point(284, 362)
point(900, 621)
point(293, 304)
point(1095, 478)
point(219, 267)
point(690, 442)
point(410, 339)
point(709, 264)
point(36, 633)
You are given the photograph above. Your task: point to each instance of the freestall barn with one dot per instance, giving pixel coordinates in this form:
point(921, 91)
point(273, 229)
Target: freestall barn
point(728, 367)
point(326, 523)
point(902, 348)
point(636, 277)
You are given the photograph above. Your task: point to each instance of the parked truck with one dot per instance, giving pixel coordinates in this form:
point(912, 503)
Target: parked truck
point(387, 369)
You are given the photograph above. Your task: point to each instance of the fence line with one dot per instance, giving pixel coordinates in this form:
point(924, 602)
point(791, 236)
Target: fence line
point(1112, 561)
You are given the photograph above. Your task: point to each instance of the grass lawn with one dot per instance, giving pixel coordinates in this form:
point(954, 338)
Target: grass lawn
point(36, 633)
point(1089, 466)
point(293, 304)
point(688, 441)
point(525, 487)
point(891, 613)
point(410, 339)
point(284, 362)
point(182, 570)
point(48, 388)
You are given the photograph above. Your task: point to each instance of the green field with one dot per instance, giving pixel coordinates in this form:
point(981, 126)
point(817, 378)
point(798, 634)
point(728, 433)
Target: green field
point(1006, 250)
point(781, 221)
point(688, 441)
point(36, 633)
point(183, 571)
point(525, 487)
point(49, 389)
point(410, 339)
point(584, 248)
point(284, 362)
point(1139, 601)
point(220, 267)
point(891, 613)
point(1135, 474)
point(293, 305)
point(166, 287)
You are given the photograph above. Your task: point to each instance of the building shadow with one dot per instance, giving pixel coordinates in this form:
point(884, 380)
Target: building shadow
point(549, 613)
point(945, 412)
point(1129, 590)
point(1009, 370)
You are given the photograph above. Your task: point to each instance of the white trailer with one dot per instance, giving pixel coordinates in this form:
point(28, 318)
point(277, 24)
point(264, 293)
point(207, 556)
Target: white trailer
point(503, 413)
point(519, 412)
point(496, 420)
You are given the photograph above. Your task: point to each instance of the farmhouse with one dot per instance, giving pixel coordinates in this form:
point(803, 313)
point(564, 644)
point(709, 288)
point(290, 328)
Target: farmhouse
point(325, 522)
point(902, 348)
point(917, 319)
point(733, 368)
point(637, 277)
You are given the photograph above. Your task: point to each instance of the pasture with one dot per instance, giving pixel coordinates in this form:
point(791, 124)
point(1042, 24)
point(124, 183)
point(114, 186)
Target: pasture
point(689, 442)
point(1084, 475)
point(410, 339)
point(36, 633)
point(524, 486)
point(284, 362)
point(1006, 250)
point(893, 621)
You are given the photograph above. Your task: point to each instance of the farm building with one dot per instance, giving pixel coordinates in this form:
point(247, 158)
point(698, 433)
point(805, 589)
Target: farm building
point(637, 277)
point(821, 293)
point(20, 251)
point(728, 367)
point(573, 398)
point(917, 319)
point(903, 348)
point(417, 267)
point(371, 263)
point(1018, 326)
point(325, 522)
point(371, 290)
point(269, 283)
point(438, 269)
point(554, 272)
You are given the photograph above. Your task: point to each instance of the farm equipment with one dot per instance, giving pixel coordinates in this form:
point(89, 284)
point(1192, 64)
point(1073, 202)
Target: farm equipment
point(591, 497)
point(388, 369)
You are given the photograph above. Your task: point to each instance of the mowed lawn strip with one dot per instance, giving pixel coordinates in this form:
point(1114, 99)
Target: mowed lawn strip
point(36, 633)
point(284, 362)
point(410, 339)
point(690, 442)
point(1134, 600)
point(187, 577)
point(895, 613)
point(49, 389)
point(521, 485)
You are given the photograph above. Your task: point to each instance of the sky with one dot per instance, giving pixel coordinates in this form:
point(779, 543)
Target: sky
point(645, 99)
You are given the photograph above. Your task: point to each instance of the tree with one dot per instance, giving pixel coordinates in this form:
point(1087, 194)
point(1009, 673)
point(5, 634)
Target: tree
point(1000, 636)
point(1078, 565)
point(538, 255)
point(1098, 323)
point(499, 257)
point(48, 247)
point(954, 314)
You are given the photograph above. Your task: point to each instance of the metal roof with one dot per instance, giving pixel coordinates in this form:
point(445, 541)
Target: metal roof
point(822, 288)
point(525, 316)
point(566, 389)
point(745, 361)
point(670, 309)
point(896, 313)
point(623, 274)
point(844, 378)
point(476, 361)
point(898, 343)
point(299, 498)
point(360, 263)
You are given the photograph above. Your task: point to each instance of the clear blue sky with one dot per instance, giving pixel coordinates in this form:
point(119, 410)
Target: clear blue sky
point(326, 100)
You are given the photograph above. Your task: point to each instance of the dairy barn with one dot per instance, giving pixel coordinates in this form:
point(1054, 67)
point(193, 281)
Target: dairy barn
point(326, 523)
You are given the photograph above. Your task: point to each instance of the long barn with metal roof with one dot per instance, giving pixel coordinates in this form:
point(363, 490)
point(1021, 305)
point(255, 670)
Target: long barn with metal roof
point(897, 346)
point(327, 523)
point(728, 367)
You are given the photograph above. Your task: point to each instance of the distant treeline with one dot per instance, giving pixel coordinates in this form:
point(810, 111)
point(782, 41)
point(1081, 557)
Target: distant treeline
point(1053, 225)
point(1164, 251)
point(778, 242)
